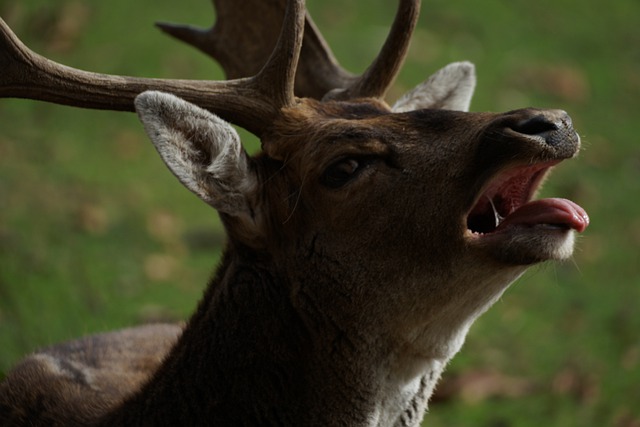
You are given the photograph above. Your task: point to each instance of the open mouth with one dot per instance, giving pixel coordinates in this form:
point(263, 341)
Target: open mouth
point(507, 202)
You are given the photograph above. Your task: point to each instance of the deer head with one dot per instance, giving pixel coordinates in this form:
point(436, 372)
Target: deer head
point(364, 239)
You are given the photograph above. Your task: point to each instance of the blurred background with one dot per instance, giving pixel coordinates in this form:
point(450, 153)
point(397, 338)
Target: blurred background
point(96, 234)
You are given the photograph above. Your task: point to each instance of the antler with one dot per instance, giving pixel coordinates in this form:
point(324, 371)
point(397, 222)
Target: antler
point(319, 74)
point(250, 102)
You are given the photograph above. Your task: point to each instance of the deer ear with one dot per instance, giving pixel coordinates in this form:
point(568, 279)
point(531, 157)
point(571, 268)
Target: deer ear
point(450, 88)
point(203, 151)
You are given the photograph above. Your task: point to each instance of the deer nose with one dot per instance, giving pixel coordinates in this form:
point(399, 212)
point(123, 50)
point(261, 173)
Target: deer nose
point(553, 126)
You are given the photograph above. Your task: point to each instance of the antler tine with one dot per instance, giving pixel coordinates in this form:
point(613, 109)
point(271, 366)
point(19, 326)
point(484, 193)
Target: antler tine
point(376, 80)
point(276, 79)
point(251, 103)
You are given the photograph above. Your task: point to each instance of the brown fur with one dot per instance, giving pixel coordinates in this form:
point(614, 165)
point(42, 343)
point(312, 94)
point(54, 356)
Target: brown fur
point(77, 382)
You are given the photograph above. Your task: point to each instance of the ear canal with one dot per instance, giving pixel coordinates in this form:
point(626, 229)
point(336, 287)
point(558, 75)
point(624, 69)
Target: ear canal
point(450, 88)
point(203, 151)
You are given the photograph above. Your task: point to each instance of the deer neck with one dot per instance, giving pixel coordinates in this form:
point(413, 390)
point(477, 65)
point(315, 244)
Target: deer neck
point(258, 351)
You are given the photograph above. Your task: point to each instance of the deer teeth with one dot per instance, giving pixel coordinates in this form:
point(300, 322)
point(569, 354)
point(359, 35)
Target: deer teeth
point(498, 218)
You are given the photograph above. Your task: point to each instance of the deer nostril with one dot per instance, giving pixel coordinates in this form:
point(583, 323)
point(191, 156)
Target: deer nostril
point(536, 125)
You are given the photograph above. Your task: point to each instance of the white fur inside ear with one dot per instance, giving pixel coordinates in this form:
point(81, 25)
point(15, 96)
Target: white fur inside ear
point(450, 88)
point(203, 151)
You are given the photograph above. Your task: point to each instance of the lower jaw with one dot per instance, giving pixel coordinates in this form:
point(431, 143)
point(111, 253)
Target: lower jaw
point(527, 245)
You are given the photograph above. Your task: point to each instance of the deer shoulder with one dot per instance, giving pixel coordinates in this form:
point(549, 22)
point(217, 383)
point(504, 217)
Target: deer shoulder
point(76, 382)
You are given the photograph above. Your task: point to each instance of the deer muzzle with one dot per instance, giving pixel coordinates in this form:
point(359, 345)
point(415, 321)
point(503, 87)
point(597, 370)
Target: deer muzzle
point(504, 212)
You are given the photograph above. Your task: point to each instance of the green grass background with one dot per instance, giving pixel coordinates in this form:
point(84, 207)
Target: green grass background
point(96, 234)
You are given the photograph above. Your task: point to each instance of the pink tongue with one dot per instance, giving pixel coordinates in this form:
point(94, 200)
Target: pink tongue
point(549, 211)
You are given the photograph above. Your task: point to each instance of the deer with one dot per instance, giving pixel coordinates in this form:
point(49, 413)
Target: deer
point(364, 239)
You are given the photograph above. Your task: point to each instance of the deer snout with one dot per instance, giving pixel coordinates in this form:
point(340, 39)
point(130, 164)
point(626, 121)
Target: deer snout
point(551, 129)
point(545, 124)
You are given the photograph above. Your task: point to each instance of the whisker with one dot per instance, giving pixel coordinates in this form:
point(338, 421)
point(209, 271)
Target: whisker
point(295, 205)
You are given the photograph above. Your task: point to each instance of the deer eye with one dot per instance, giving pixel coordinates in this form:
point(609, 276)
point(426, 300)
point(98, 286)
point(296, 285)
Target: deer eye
point(344, 170)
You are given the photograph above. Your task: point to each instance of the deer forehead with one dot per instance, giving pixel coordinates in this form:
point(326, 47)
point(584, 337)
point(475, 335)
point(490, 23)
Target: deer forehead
point(314, 133)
